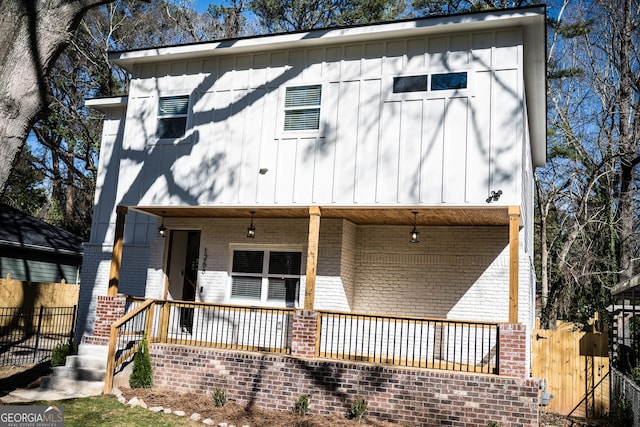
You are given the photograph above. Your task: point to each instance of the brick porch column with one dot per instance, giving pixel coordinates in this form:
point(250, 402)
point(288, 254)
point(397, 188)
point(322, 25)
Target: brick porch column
point(108, 310)
point(512, 351)
point(303, 340)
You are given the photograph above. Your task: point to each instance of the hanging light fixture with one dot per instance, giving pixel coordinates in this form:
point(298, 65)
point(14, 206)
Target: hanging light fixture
point(251, 230)
point(415, 234)
point(162, 230)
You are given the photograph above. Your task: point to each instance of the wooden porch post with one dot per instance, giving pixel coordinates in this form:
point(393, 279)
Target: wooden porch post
point(312, 257)
point(514, 229)
point(116, 253)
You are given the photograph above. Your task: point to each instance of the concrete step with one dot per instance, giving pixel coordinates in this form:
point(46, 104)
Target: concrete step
point(79, 374)
point(83, 373)
point(93, 350)
point(87, 362)
point(70, 386)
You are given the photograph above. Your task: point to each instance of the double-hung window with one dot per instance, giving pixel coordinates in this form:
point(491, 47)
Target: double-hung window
point(172, 116)
point(302, 108)
point(266, 276)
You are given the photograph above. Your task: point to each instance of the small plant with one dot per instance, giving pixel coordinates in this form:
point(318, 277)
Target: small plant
point(60, 353)
point(219, 396)
point(303, 402)
point(358, 408)
point(621, 413)
point(493, 424)
point(141, 375)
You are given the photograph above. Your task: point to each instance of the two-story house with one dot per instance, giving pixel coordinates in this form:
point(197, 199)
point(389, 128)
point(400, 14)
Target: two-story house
point(354, 199)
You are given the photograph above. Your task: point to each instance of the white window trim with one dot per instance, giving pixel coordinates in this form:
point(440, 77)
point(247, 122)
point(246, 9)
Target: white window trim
point(264, 301)
point(287, 134)
point(187, 128)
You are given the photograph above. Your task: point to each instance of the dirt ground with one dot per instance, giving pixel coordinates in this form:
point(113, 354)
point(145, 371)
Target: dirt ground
point(240, 415)
point(28, 376)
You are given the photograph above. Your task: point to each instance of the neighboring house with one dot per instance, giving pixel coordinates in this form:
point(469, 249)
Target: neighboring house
point(33, 251)
point(625, 350)
point(292, 171)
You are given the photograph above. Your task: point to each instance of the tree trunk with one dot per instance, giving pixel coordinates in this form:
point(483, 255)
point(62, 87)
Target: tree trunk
point(32, 35)
point(628, 146)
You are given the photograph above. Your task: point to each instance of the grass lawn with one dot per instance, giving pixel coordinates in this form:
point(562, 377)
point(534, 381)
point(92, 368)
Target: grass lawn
point(107, 411)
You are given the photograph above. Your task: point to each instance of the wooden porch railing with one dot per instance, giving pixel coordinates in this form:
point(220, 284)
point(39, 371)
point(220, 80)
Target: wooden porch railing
point(407, 341)
point(197, 324)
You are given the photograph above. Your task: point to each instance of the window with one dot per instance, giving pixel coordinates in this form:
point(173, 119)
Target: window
point(449, 81)
point(268, 276)
point(410, 84)
point(441, 81)
point(172, 116)
point(302, 108)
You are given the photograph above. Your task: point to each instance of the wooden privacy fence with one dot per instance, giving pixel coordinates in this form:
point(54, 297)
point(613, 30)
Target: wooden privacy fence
point(17, 293)
point(575, 364)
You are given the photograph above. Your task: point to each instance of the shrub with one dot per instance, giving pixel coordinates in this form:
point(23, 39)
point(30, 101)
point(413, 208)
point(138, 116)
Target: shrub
point(621, 414)
point(141, 375)
point(60, 353)
point(219, 396)
point(358, 408)
point(303, 402)
point(493, 424)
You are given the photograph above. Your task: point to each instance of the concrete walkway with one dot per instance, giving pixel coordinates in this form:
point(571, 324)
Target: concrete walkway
point(26, 395)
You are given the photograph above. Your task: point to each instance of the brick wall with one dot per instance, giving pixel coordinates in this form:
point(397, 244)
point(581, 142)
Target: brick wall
point(93, 282)
point(512, 350)
point(305, 325)
point(108, 310)
point(404, 395)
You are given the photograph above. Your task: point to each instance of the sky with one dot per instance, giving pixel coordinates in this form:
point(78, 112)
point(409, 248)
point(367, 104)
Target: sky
point(202, 5)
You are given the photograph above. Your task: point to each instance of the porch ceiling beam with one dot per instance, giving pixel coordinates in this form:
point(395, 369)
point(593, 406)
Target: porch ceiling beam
point(362, 215)
point(514, 229)
point(116, 253)
point(312, 257)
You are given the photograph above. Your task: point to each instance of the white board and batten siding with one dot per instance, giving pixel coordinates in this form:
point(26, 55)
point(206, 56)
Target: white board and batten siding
point(374, 147)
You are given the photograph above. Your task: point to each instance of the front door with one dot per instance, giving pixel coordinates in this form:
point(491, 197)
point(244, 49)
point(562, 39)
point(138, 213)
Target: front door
point(184, 249)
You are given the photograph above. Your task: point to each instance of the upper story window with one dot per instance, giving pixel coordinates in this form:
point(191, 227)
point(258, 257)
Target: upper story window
point(302, 108)
point(172, 116)
point(447, 81)
point(433, 82)
point(410, 84)
point(268, 276)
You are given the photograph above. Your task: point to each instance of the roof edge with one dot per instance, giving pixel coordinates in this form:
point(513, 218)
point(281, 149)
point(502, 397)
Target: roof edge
point(431, 24)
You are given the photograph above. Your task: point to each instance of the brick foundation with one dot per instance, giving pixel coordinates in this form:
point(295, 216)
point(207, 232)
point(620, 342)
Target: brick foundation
point(404, 395)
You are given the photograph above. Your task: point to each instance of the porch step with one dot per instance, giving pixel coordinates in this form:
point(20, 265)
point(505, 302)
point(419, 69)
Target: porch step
point(82, 375)
point(72, 387)
point(78, 374)
point(86, 362)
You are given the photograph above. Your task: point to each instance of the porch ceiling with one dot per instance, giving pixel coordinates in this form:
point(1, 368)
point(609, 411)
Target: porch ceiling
point(496, 215)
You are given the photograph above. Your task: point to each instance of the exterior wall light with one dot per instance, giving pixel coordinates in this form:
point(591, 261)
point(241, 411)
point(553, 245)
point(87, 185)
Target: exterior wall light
point(494, 196)
point(162, 230)
point(251, 230)
point(415, 234)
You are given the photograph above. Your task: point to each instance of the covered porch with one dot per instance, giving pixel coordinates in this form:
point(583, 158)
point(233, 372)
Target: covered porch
point(311, 330)
point(270, 353)
point(388, 228)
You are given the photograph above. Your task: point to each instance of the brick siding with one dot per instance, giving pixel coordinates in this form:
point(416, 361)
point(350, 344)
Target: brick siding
point(109, 310)
point(305, 325)
point(403, 395)
point(512, 340)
